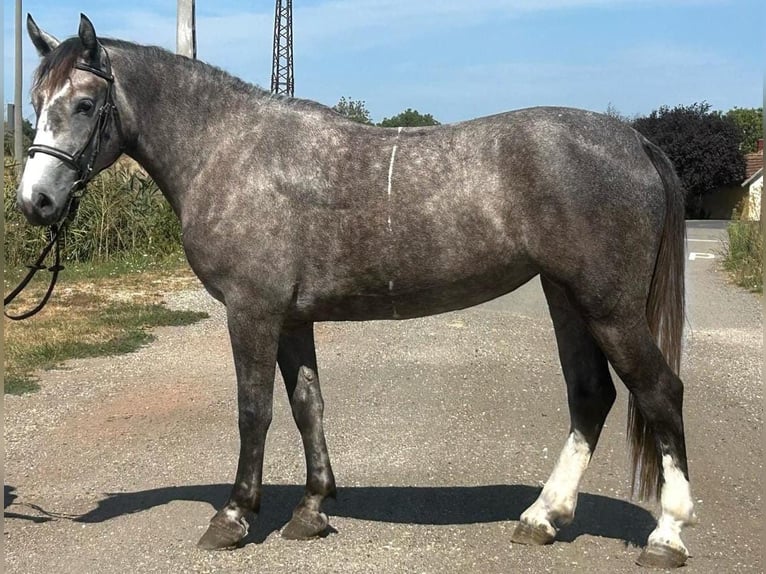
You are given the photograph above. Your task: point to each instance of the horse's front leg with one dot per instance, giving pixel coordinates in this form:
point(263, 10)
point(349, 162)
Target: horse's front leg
point(254, 342)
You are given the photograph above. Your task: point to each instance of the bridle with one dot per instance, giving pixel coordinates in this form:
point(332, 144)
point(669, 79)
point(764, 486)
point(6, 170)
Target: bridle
point(81, 162)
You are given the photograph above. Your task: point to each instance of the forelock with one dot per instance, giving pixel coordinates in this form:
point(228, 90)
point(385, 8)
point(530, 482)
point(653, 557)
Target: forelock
point(55, 68)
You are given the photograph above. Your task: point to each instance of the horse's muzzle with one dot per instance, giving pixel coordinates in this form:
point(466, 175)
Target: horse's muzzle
point(41, 208)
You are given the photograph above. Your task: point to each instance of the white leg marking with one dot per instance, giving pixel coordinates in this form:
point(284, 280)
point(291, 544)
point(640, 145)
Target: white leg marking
point(677, 507)
point(37, 166)
point(232, 514)
point(558, 499)
point(239, 518)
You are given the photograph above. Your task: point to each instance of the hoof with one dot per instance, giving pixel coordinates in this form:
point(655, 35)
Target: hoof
point(223, 533)
point(305, 524)
point(656, 556)
point(531, 535)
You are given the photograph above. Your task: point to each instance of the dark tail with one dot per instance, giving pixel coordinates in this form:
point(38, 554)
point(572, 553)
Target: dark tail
point(665, 315)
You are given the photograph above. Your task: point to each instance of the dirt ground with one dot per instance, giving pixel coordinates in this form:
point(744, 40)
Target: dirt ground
point(440, 430)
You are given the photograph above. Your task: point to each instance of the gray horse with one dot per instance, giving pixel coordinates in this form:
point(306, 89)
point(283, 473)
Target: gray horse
point(292, 214)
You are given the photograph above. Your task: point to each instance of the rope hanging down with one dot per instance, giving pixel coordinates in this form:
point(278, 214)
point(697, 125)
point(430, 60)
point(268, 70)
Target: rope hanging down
point(83, 164)
point(38, 265)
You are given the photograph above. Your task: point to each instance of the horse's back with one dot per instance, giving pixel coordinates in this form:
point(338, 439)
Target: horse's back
point(450, 216)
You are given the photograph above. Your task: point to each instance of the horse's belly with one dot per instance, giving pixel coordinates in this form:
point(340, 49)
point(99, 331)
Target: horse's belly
point(460, 294)
point(409, 300)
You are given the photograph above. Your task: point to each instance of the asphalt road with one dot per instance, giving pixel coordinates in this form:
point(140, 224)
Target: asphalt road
point(440, 431)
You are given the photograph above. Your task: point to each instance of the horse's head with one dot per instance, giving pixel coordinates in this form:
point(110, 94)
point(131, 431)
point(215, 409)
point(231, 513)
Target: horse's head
point(78, 131)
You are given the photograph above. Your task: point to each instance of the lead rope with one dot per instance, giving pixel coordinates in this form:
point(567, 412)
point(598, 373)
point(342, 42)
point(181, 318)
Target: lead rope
point(38, 265)
point(107, 111)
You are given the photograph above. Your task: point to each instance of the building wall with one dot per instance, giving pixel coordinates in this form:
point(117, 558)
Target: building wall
point(752, 208)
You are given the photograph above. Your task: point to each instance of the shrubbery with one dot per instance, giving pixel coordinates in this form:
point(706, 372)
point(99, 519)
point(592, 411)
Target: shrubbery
point(704, 146)
point(123, 213)
point(744, 255)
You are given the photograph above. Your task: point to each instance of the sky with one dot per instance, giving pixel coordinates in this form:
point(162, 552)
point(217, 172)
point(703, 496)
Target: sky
point(455, 59)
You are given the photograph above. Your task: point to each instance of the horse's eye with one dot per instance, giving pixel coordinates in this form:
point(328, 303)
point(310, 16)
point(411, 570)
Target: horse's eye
point(84, 106)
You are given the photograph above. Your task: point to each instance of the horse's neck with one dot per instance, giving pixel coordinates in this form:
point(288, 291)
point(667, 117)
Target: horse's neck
point(171, 137)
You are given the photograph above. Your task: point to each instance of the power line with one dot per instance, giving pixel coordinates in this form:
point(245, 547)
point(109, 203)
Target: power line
point(282, 64)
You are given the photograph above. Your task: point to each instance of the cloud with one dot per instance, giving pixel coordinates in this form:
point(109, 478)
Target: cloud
point(635, 80)
point(236, 36)
point(385, 19)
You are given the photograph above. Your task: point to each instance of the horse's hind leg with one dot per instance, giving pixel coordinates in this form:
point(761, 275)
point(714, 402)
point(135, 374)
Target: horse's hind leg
point(590, 394)
point(658, 441)
point(298, 364)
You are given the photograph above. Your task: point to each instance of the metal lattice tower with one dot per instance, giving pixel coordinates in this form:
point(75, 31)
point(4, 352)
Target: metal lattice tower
point(282, 64)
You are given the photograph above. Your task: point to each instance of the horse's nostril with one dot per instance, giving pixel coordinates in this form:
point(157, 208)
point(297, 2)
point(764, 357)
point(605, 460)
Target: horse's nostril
point(43, 205)
point(42, 200)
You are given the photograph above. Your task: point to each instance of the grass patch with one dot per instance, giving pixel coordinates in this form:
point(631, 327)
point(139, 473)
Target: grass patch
point(743, 255)
point(19, 384)
point(122, 254)
point(97, 310)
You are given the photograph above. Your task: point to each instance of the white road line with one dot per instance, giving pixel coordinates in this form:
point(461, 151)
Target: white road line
point(704, 240)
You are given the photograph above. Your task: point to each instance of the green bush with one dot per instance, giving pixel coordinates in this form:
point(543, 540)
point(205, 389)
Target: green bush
point(743, 256)
point(28, 135)
point(123, 213)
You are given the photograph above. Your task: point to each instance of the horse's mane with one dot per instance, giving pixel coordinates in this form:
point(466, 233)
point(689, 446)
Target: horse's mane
point(55, 68)
point(220, 77)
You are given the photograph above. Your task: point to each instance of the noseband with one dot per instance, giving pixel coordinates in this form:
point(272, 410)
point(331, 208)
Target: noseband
point(82, 162)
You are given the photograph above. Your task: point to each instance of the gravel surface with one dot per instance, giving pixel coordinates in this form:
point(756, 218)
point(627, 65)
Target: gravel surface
point(440, 431)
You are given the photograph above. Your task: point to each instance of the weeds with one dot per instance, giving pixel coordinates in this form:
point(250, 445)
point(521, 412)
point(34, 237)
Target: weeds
point(123, 214)
point(744, 255)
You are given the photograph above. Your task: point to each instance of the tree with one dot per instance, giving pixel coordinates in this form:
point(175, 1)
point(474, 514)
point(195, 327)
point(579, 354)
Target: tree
point(750, 123)
point(613, 112)
point(409, 118)
point(354, 110)
point(703, 145)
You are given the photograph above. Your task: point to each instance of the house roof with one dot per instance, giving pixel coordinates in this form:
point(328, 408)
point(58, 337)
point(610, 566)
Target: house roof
point(753, 178)
point(753, 162)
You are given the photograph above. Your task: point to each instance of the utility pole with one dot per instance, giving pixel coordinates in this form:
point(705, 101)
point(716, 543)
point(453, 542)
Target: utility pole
point(186, 29)
point(18, 128)
point(282, 64)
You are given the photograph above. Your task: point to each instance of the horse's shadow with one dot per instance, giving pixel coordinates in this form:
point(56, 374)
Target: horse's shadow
point(445, 505)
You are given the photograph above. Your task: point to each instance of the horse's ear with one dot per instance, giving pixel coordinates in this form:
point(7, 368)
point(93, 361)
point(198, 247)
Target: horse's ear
point(88, 38)
point(44, 42)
